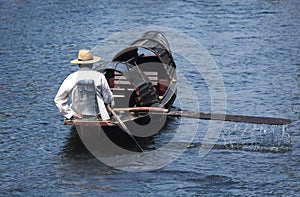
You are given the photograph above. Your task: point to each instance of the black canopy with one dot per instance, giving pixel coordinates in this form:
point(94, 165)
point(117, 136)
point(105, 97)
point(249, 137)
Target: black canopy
point(153, 41)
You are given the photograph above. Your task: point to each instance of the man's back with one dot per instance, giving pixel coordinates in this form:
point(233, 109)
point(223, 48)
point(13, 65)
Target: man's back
point(88, 90)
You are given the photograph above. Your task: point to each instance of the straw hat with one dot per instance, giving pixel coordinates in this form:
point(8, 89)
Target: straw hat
point(85, 57)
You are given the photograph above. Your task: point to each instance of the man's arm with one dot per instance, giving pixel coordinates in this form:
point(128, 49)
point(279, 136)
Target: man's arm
point(107, 94)
point(61, 101)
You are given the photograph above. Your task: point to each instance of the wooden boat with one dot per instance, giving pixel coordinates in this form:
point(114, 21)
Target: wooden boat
point(142, 78)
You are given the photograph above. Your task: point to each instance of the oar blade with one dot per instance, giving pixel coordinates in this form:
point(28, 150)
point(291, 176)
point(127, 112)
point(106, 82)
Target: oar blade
point(229, 117)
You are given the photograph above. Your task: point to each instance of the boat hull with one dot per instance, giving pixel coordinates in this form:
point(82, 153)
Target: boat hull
point(104, 138)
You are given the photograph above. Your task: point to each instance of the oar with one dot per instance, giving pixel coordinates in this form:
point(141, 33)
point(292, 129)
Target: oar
point(210, 116)
point(121, 123)
point(233, 118)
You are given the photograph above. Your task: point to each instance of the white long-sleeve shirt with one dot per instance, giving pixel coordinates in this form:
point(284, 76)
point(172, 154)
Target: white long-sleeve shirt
point(86, 88)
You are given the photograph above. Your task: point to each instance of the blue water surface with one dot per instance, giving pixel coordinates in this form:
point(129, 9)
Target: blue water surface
point(254, 43)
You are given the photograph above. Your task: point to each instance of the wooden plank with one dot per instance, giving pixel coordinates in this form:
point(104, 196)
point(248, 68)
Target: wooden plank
point(89, 122)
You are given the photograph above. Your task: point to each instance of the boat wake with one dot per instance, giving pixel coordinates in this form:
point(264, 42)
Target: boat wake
point(253, 138)
point(257, 138)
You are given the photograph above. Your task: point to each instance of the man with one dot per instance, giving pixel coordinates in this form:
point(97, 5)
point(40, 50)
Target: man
point(87, 89)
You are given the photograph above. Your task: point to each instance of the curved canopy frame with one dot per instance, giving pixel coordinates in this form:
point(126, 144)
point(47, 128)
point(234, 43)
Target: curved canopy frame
point(153, 41)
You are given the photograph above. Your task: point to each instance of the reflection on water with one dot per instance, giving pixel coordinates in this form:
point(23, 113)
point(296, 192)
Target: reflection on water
point(73, 144)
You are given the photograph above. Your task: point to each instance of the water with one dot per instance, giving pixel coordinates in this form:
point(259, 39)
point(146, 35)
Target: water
point(255, 45)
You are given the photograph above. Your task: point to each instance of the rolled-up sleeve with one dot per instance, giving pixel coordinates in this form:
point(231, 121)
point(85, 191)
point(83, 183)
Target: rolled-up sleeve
point(107, 95)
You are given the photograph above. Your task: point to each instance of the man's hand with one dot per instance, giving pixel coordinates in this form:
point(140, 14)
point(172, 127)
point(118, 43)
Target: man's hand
point(77, 116)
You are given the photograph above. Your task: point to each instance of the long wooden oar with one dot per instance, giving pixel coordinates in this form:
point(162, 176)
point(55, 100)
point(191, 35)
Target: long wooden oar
point(123, 126)
point(210, 116)
point(233, 118)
